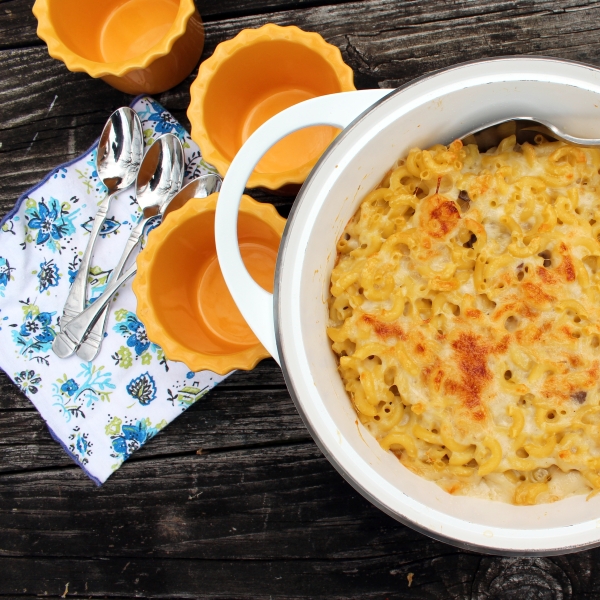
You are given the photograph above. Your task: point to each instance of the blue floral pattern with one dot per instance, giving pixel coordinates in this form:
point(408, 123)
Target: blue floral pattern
point(36, 333)
point(73, 398)
point(162, 122)
point(142, 388)
point(50, 223)
point(104, 410)
point(73, 269)
point(130, 437)
point(4, 271)
point(28, 381)
point(48, 275)
point(138, 340)
point(2, 319)
point(69, 387)
point(138, 347)
point(97, 280)
point(44, 220)
point(80, 445)
point(5, 274)
point(110, 225)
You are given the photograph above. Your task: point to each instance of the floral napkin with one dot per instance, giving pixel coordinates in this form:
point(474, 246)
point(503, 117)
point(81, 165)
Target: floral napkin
point(101, 411)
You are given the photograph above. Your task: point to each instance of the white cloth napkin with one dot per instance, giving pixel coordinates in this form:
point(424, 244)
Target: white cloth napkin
point(102, 411)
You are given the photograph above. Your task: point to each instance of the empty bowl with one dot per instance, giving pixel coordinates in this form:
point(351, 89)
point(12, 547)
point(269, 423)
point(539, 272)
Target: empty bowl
point(254, 76)
point(137, 46)
point(182, 297)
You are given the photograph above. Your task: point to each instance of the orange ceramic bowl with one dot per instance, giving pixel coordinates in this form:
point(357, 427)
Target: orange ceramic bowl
point(137, 46)
point(252, 77)
point(182, 297)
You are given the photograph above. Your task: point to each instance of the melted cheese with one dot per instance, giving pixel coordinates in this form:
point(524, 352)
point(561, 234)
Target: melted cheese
point(465, 312)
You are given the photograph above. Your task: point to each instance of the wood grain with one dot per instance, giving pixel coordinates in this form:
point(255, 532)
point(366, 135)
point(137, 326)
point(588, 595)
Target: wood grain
point(17, 24)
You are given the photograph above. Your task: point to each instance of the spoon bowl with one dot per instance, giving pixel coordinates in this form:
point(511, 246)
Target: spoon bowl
point(160, 175)
point(120, 150)
point(202, 187)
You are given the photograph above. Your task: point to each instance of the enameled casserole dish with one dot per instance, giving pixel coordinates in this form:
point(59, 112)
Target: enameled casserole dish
point(380, 127)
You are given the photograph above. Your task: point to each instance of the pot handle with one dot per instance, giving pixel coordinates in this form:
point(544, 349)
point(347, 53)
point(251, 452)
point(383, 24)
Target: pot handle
point(256, 304)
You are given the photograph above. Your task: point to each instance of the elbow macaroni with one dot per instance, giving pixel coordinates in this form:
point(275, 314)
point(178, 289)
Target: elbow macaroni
point(464, 312)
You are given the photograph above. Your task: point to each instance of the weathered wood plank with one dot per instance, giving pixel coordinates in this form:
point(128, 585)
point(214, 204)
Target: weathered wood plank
point(388, 43)
point(230, 524)
point(49, 116)
point(215, 10)
point(26, 443)
point(375, 579)
point(381, 577)
point(266, 373)
point(17, 24)
point(267, 503)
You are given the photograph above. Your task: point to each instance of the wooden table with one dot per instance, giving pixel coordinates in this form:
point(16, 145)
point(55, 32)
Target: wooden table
point(233, 499)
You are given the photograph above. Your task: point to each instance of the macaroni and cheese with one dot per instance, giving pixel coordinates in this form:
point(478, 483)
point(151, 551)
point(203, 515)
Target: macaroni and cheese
point(465, 312)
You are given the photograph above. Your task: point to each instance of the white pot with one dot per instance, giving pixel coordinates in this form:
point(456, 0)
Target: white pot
point(380, 128)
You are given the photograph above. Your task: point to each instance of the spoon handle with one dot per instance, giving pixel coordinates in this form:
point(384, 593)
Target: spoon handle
point(89, 348)
point(76, 299)
point(79, 326)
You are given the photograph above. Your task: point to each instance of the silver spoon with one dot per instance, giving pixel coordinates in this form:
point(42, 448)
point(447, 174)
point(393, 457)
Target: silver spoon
point(201, 187)
point(118, 160)
point(159, 179)
point(547, 128)
point(79, 327)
